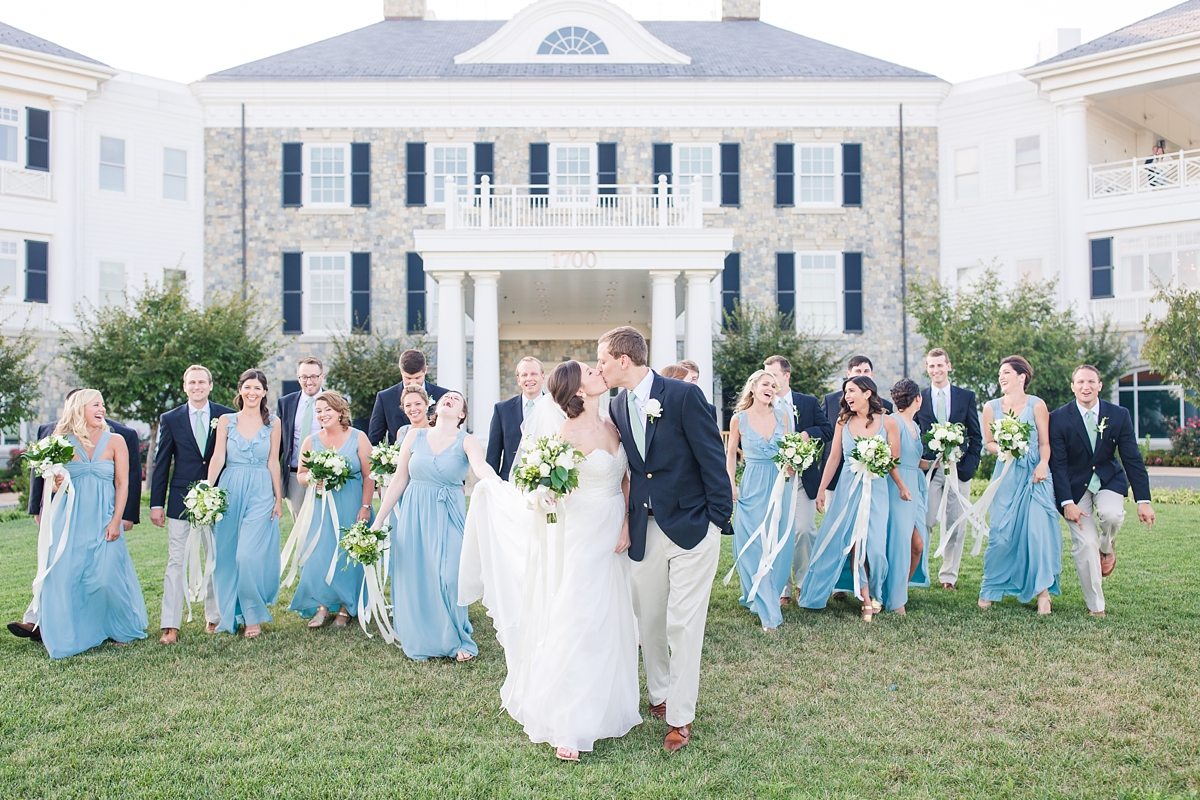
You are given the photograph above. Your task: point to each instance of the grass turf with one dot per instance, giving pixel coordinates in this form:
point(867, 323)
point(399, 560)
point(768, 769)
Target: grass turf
point(948, 702)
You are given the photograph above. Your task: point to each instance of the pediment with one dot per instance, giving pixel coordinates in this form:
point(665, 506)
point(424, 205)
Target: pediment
point(572, 32)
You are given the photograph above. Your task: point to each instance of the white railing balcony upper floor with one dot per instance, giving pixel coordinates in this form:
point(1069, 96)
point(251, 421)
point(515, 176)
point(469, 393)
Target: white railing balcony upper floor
point(1127, 313)
point(1142, 175)
point(15, 314)
point(25, 182)
point(511, 207)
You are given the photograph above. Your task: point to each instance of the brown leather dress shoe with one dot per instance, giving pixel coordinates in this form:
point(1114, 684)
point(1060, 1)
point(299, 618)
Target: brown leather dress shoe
point(169, 636)
point(659, 711)
point(1108, 562)
point(25, 630)
point(677, 738)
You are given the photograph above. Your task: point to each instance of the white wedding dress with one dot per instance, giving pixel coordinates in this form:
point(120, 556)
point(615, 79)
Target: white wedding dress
point(562, 604)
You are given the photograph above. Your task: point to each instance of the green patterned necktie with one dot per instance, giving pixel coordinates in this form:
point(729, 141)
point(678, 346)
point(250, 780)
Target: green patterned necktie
point(306, 423)
point(1089, 419)
point(201, 432)
point(637, 424)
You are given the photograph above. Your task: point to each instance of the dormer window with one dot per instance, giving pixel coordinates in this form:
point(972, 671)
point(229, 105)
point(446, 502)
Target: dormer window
point(572, 41)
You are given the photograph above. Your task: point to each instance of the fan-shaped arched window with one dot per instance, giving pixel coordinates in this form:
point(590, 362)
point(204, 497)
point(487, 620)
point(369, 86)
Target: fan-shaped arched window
point(572, 41)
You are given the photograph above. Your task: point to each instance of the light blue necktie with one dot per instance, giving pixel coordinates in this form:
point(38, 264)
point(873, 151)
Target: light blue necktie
point(638, 425)
point(201, 432)
point(1089, 419)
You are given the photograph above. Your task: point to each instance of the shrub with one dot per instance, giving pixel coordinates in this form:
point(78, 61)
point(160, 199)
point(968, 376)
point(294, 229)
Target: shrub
point(1185, 441)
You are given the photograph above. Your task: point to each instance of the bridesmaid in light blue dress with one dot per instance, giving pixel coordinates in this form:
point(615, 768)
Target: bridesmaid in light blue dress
point(1024, 550)
point(427, 540)
point(246, 459)
point(314, 597)
point(92, 592)
point(830, 568)
point(907, 534)
point(756, 407)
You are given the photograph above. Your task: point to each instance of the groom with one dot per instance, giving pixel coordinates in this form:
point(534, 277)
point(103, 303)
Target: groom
point(680, 502)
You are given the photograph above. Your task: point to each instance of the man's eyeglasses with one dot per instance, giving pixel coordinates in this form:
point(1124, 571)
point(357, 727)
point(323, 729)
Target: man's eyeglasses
point(310, 378)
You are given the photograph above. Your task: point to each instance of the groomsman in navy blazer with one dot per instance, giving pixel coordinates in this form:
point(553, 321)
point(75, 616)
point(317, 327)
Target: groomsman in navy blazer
point(508, 416)
point(1090, 484)
point(831, 404)
point(186, 436)
point(809, 420)
point(298, 417)
point(943, 402)
point(387, 416)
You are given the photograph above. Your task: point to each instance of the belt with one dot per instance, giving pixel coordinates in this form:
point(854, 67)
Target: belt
point(293, 469)
point(650, 512)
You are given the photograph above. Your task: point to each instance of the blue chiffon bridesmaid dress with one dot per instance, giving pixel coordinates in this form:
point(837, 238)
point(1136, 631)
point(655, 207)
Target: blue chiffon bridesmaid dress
point(426, 546)
point(92, 593)
point(344, 590)
point(904, 516)
point(246, 578)
point(829, 570)
point(1024, 549)
point(754, 491)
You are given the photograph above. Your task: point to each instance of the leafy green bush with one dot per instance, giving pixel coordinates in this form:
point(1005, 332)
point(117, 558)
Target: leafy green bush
point(1185, 441)
point(363, 365)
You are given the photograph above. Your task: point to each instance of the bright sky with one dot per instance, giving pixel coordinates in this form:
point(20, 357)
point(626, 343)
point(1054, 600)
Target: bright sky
point(954, 39)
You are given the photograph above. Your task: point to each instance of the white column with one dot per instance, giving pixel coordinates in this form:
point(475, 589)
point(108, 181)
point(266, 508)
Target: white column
point(662, 318)
point(452, 339)
point(1074, 264)
point(697, 341)
point(486, 384)
point(64, 277)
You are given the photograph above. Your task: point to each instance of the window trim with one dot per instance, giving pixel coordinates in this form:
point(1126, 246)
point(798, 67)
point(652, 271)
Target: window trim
point(307, 294)
point(952, 172)
point(836, 175)
point(306, 200)
point(100, 262)
point(839, 323)
point(430, 175)
point(165, 174)
point(593, 165)
point(715, 151)
point(19, 124)
point(17, 290)
point(1043, 187)
point(101, 163)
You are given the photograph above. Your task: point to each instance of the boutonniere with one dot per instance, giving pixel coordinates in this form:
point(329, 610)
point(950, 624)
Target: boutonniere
point(653, 409)
point(212, 426)
point(1102, 426)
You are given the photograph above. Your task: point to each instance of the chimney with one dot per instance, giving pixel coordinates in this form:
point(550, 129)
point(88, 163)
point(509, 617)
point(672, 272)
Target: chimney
point(1062, 40)
point(404, 9)
point(739, 9)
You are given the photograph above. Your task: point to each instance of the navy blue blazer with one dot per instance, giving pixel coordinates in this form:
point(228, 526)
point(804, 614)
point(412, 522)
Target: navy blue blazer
point(505, 434)
point(831, 404)
point(387, 416)
point(683, 474)
point(285, 409)
point(808, 417)
point(964, 410)
point(133, 504)
point(1072, 461)
point(177, 443)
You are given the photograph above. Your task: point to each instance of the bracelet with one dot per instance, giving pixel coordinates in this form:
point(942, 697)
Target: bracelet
point(366, 505)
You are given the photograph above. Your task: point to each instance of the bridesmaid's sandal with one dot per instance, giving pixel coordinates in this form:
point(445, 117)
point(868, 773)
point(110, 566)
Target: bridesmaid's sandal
point(769, 630)
point(1043, 606)
point(876, 605)
point(901, 611)
point(320, 618)
point(868, 612)
point(252, 631)
point(985, 604)
point(463, 656)
point(566, 754)
point(341, 620)
point(210, 627)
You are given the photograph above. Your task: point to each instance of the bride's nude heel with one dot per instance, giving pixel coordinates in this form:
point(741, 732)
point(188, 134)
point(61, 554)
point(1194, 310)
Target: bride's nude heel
point(566, 754)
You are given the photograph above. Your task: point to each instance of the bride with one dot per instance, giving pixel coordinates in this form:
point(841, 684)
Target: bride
point(560, 595)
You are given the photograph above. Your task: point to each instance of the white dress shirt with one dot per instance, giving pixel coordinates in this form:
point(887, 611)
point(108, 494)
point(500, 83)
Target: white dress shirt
point(641, 393)
point(203, 414)
point(298, 435)
point(933, 398)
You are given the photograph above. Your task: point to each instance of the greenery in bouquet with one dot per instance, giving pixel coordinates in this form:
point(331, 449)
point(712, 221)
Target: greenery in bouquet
point(364, 545)
point(946, 440)
point(1012, 436)
point(797, 452)
point(204, 504)
point(548, 470)
point(874, 453)
point(327, 466)
point(384, 460)
point(48, 453)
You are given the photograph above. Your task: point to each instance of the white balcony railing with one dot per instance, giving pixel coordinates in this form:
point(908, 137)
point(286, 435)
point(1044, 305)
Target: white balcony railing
point(25, 182)
point(1126, 311)
point(15, 314)
point(1141, 175)
point(617, 206)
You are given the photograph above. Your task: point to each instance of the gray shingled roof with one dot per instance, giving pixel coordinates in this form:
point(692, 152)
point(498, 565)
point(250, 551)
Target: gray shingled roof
point(15, 37)
point(1183, 18)
point(408, 49)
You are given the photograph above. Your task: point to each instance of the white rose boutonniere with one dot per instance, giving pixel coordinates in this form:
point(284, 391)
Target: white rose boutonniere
point(1102, 426)
point(653, 409)
point(213, 424)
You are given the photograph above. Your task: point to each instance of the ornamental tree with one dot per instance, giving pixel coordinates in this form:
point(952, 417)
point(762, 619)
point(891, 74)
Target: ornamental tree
point(1173, 341)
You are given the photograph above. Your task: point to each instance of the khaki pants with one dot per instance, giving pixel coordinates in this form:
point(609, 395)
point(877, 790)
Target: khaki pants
point(1092, 536)
point(806, 536)
point(175, 582)
point(671, 587)
point(952, 557)
point(295, 495)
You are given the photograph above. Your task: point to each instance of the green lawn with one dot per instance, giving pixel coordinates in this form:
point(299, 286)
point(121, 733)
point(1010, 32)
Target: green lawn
point(948, 702)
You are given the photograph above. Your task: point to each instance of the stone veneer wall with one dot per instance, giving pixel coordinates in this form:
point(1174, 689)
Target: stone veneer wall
point(550, 352)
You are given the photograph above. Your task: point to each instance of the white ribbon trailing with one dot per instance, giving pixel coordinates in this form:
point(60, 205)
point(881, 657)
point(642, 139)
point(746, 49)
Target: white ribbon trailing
point(196, 570)
point(375, 606)
point(337, 537)
point(773, 536)
point(976, 514)
point(62, 502)
point(295, 544)
point(862, 522)
point(949, 486)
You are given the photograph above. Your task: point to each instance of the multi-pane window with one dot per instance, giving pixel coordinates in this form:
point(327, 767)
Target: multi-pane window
point(10, 437)
point(175, 277)
point(327, 174)
point(328, 284)
point(174, 174)
point(573, 170)
point(8, 268)
point(451, 172)
point(967, 276)
point(572, 41)
point(112, 284)
point(8, 133)
point(695, 169)
point(112, 164)
point(1146, 262)
point(1028, 160)
point(817, 290)
point(966, 173)
point(815, 174)
point(1158, 408)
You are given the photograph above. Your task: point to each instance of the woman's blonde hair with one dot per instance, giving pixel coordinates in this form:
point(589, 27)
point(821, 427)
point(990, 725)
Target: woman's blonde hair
point(74, 418)
point(338, 404)
point(747, 399)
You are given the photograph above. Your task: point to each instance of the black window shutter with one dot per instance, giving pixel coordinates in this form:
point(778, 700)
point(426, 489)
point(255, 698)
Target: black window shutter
point(414, 158)
point(37, 139)
point(852, 295)
point(360, 292)
point(731, 283)
point(1102, 269)
point(852, 174)
point(37, 272)
point(785, 175)
point(415, 269)
point(731, 178)
point(785, 282)
point(293, 169)
point(606, 167)
point(485, 163)
point(539, 167)
point(662, 162)
point(293, 293)
point(360, 174)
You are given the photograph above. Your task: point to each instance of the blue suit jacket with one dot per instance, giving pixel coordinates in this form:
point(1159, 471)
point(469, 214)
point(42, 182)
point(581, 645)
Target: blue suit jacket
point(809, 417)
point(831, 404)
point(683, 474)
point(505, 434)
point(387, 416)
point(964, 410)
point(133, 504)
point(177, 447)
point(1072, 461)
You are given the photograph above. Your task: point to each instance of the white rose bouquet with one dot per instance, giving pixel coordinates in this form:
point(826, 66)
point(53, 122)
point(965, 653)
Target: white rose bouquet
point(329, 467)
point(364, 545)
point(873, 453)
point(204, 504)
point(1012, 435)
point(53, 451)
point(384, 460)
point(946, 439)
point(797, 452)
point(548, 470)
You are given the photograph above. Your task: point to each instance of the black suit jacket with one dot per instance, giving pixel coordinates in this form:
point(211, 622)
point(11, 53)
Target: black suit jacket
point(133, 504)
point(808, 417)
point(285, 409)
point(831, 404)
point(177, 443)
point(683, 474)
point(505, 434)
point(387, 416)
point(1072, 461)
point(962, 409)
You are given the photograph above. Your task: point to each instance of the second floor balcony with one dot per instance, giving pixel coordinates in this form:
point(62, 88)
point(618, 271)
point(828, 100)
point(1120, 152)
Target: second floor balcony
point(1172, 171)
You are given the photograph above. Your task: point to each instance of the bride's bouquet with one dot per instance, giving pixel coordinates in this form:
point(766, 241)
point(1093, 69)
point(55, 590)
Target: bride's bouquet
point(946, 439)
point(49, 454)
point(874, 454)
point(384, 460)
point(363, 544)
point(204, 504)
point(1012, 436)
point(548, 470)
point(797, 452)
point(329, 467)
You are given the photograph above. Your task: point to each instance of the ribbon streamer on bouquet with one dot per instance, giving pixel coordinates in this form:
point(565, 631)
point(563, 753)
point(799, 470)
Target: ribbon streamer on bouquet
point(773, 536)
point(375, 607)
point(949, 486)
point(194, 570)
point(295, 544)
point(977, 513)
point(63, 502)
point(862, 519)
point(337, 537)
